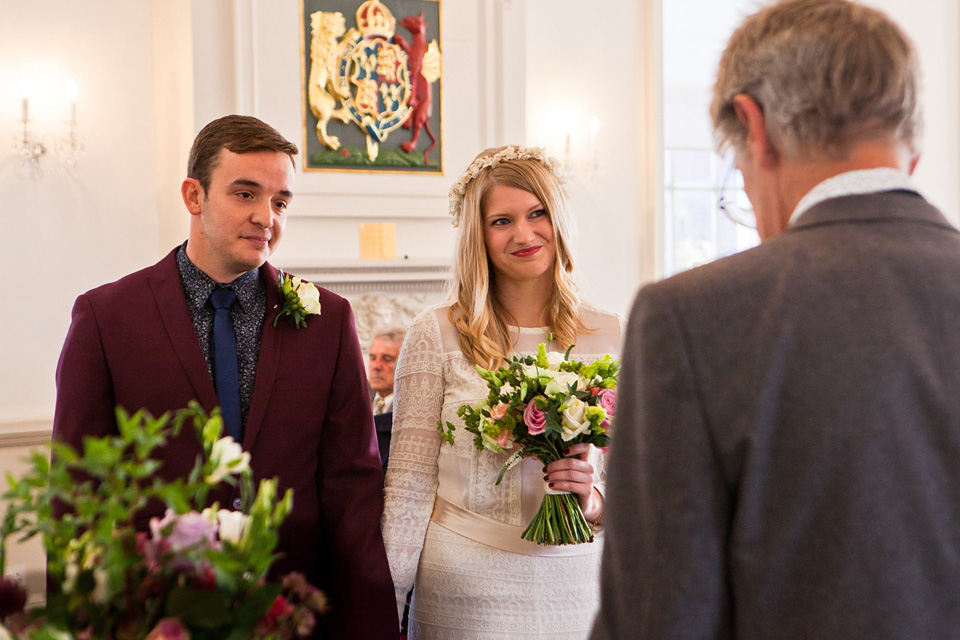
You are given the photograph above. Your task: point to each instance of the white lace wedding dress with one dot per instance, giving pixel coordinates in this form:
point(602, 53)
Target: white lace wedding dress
point(451, 530)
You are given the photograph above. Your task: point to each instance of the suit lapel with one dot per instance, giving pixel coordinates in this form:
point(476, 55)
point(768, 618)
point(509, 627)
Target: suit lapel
point(268, 360)
point(172, 307)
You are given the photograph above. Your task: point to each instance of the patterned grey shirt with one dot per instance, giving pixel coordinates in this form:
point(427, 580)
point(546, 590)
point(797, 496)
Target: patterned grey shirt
point(247, 315)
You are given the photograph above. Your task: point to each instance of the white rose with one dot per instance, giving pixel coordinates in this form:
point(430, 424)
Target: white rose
point(533, 371)
point(554, 359)
point(560, 383)
point(308, 294)
point(574, 419)
point(4, 634)
point(229, 458)
point(232, 525)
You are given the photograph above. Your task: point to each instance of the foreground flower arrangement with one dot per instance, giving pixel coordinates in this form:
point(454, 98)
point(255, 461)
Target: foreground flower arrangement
point(539, 406)
point(199, 573)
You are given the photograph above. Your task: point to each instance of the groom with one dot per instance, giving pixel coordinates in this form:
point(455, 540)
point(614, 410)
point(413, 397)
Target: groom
point(301, 407)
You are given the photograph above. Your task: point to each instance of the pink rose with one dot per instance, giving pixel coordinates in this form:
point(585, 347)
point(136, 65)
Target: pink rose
point(169, 629)
point(504, 438)
point(499, 412)
point(535, 419)
point(607, 400)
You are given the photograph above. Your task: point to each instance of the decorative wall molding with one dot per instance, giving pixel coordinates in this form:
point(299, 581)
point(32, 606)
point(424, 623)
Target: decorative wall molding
point(376, 312)
point(383, 294)
point(357, 276)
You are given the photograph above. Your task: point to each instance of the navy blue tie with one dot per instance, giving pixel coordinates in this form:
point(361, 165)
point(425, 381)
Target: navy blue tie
point(226, 373)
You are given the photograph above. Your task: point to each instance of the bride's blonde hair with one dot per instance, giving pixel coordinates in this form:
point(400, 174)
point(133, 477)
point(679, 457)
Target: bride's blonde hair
point(477, 314)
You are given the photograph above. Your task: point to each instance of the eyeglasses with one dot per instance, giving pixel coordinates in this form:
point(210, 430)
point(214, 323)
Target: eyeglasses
point(733, 201)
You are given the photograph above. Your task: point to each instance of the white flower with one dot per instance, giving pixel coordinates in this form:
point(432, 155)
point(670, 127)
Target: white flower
point(232, 523)
point(99, 593)
point(532, 371)
point(308, 294)
point(4, 634)
point(554, 358)
point(229, 458)
point(300, 299)
point(70, 577)
point(560, 382)
point(574, 419)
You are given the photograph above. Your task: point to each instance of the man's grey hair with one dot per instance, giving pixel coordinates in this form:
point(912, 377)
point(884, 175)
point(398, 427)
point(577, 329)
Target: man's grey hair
point(827, 74)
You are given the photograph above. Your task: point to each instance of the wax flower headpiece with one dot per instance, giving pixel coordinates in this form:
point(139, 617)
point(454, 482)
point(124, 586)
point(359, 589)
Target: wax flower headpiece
point(512, 152)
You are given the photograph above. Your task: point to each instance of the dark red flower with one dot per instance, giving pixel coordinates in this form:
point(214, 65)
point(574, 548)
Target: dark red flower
point(12, 597)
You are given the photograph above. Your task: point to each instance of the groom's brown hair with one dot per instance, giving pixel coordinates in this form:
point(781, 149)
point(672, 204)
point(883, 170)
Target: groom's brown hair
point(239, 134)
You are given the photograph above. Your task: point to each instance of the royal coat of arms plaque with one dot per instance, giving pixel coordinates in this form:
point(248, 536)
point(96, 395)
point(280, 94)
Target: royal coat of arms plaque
point(371, 85)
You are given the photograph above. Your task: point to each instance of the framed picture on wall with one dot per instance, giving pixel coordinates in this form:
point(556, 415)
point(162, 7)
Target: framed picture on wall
point(371, 85)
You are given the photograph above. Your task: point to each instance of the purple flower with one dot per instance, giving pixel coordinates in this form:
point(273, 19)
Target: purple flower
point(535, 418)
point(190, 530)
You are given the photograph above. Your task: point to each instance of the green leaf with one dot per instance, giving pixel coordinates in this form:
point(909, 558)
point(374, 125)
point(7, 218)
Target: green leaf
point(201, 609)
point(252, 608)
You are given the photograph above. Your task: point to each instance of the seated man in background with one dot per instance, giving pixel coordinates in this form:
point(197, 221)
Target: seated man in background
point(384, 350)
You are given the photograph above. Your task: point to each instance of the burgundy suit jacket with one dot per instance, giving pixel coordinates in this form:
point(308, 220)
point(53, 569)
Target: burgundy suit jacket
point(132, 343)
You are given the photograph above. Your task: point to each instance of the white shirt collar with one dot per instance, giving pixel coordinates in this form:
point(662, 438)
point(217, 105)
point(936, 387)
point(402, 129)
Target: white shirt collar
point(853, 183)
point(387, 400)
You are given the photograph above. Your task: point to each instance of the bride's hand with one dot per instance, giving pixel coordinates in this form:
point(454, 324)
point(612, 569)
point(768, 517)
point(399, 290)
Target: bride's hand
point(574, 474)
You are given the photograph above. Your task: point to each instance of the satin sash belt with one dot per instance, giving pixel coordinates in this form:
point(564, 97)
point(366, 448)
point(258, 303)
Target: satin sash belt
point(498, 535)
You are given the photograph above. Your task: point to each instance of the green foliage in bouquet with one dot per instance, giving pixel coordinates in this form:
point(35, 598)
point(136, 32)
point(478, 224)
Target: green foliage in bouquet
point(198, 573)
point(542, 405)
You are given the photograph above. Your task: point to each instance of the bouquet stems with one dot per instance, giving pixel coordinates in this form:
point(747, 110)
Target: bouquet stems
point(559, 521)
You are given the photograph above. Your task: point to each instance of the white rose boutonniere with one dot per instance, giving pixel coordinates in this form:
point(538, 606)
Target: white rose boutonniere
point(300, 299)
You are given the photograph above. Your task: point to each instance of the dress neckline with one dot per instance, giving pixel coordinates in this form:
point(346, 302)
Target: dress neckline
point(530, 330)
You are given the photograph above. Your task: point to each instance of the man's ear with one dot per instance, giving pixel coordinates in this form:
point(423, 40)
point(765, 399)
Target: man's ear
point(193, 195)
point(913, 164)
point(754, 121)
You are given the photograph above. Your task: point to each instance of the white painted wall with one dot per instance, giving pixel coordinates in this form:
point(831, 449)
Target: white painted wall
point(582, 63)
point(933, 27)
point(67, 232)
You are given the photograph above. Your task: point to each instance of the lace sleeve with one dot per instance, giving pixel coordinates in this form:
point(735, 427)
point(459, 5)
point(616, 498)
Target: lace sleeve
point(411, 479)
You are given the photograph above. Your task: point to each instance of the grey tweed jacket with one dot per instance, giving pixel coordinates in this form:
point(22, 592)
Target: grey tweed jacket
point(786, 461)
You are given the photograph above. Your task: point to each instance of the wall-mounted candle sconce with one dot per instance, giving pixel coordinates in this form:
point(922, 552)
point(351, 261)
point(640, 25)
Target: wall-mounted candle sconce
point(32, 147)
point(584, 163)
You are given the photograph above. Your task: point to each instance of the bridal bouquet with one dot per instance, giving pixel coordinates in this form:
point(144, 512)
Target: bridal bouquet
point(199, 573)
point(541, 405)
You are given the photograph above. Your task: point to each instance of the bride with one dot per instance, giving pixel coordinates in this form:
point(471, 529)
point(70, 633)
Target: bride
point(448, 528)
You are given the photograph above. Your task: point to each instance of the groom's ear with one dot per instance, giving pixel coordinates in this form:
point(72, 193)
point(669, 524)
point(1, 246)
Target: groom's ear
point(193, 195)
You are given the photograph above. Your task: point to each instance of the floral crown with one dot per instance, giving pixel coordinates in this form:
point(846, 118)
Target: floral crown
point(512, 152)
